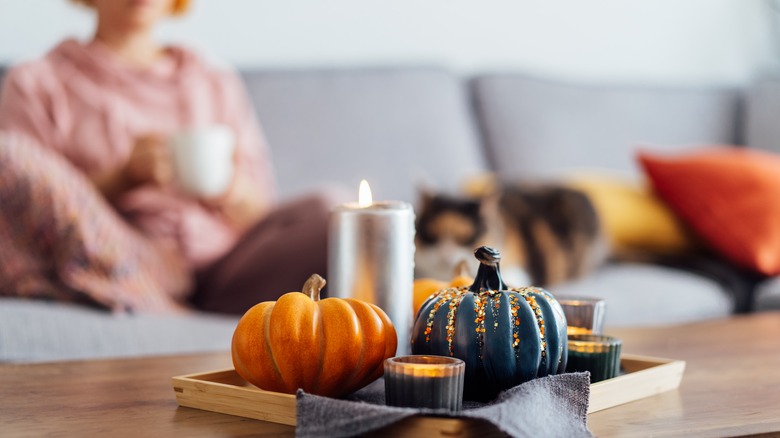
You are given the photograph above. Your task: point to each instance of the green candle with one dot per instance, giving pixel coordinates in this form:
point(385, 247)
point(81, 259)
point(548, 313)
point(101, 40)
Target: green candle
point(598, 354)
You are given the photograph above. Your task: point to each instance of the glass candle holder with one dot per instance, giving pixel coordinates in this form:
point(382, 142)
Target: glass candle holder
point(595, 353)
point(584, 315)
point(419, 381)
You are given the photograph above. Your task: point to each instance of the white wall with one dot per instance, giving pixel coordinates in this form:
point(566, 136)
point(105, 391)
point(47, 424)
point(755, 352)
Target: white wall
point(650, 41)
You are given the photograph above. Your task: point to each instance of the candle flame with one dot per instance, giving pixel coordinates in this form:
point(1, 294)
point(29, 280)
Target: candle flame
point(364, 194)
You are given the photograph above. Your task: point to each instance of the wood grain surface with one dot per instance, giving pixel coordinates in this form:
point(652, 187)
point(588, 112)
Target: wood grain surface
point(731, 387)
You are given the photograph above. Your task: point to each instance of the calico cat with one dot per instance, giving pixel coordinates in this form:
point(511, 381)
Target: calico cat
point(546, 233)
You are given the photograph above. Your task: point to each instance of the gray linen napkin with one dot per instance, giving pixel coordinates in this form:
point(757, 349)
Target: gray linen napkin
point(552, 406)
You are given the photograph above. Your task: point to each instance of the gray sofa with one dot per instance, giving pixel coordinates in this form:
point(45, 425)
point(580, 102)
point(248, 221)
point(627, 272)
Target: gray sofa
point(400, 127)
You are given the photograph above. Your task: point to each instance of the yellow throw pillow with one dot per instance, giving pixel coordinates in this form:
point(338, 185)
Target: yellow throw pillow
point(634, 217)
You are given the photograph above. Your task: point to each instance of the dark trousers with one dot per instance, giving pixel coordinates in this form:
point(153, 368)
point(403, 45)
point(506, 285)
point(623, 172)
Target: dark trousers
point(274, 257)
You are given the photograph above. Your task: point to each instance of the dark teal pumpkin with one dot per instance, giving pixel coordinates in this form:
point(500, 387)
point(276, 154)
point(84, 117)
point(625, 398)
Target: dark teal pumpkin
point(506, 336)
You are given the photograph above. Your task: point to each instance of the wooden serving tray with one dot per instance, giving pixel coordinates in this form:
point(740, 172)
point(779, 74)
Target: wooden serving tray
point(226, 392)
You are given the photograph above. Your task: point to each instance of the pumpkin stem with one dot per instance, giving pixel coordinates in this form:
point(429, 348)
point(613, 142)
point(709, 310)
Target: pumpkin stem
point(313, 286)
point(488, 275)
point(462, 269)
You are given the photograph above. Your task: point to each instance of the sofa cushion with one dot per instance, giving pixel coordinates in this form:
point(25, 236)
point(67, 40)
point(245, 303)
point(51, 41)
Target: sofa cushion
point(36, 331)
point(634, 217)
point(651, 295)
point(393, 127)
point(539, 128)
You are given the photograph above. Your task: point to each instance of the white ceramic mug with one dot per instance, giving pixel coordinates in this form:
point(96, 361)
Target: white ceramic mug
point(203, 159)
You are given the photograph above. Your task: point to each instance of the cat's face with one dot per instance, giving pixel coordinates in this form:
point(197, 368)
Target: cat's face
point(448, 230)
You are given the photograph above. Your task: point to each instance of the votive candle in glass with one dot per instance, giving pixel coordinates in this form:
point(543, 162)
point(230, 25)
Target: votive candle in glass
point(420, 381)
point(584, 315)
point(598, 354)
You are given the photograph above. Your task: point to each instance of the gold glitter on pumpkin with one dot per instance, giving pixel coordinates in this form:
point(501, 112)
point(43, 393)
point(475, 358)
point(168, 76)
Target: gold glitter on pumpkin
point(440, 298)
point(514, 308)
point(453, 308)
point(531, 300)
point(453, 297)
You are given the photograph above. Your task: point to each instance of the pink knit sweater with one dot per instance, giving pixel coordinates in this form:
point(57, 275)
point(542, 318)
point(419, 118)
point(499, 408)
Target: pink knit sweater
point(83, 102)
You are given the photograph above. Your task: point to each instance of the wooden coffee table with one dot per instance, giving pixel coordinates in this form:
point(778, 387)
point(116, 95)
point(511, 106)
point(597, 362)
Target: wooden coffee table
point(731, 387)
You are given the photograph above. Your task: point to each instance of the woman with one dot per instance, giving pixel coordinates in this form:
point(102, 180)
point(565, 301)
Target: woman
point(90, 211)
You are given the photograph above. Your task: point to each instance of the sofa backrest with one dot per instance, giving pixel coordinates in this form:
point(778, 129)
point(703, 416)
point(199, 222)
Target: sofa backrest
point(762, 114)
point(538, 128)
point(394, 127)
point(398, 127)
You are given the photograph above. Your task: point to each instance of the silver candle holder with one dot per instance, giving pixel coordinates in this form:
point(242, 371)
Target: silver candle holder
point(371, 258)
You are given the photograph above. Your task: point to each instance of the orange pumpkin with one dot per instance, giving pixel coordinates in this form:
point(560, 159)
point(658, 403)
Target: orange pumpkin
point(330, 347)
point(425, 287)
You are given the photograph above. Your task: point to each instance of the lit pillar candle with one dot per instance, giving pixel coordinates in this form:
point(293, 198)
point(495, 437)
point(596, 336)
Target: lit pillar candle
point(371, 257)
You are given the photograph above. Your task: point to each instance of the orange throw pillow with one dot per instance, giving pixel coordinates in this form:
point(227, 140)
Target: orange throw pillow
point(729, 196)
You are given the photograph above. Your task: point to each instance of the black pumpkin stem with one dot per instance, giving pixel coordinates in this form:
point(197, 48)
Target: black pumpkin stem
point(488, 274)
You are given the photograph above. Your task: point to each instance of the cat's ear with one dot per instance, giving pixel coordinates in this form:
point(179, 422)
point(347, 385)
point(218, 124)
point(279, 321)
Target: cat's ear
point(425, 195)
point(480, 185)
point(489, 205)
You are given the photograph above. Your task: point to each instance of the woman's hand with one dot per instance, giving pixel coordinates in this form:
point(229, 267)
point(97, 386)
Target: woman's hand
point(149, 163)
point(243, 204)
